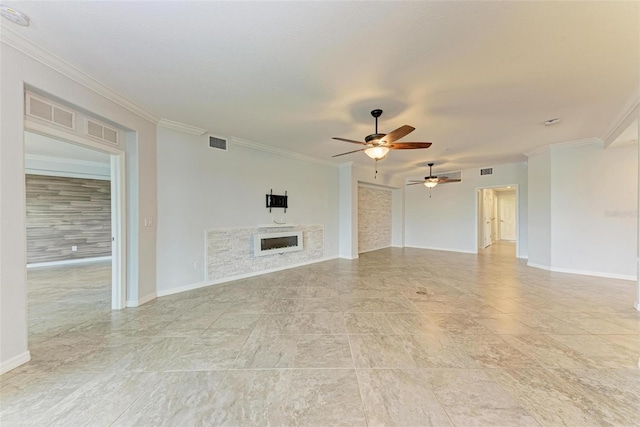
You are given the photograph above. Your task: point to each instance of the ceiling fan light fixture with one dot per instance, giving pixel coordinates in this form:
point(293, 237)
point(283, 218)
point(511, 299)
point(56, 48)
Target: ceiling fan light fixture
point(431, 182)
point(377, 153)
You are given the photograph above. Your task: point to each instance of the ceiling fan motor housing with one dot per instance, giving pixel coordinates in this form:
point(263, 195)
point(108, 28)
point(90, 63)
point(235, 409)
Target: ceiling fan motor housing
point(375, 138)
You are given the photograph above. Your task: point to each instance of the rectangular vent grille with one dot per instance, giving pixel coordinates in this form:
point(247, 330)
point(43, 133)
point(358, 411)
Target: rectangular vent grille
point(102, 132)
point(50, 112)
point(218, 143)
point(486, 171)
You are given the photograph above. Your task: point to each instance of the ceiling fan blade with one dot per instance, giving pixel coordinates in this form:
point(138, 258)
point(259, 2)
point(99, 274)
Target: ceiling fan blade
point(354, 151)
point(398, 133)
point(350, 140)
point(416, 183)
point(415, 180)
point(445, 181)
point(409, 145)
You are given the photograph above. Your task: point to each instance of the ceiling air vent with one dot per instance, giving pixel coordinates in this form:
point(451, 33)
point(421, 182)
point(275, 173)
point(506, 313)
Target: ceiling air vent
point(486, 171)
point(48, 111)
point(102, 132)
point(217, 143)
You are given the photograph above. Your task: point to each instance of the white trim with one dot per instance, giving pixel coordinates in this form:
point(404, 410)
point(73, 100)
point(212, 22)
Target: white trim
point(539, 266)
point(164, 293)
point(14, 362)
point(118, 231)
point(431, 248)
point(142, 301)
point(53, 159)
point(53, 166)
point(628, 115)
point(68, 262)
point(181, 127)
point(637, 306)
point(374, 249)
point(26, 46)
point(350, 259)
point(523, 257)
point(582, 272)
point(45, 172)
point(280, 151)
point(566, 144)
point(365, 184)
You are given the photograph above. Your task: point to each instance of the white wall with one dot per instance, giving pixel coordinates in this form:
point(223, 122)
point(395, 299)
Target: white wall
point(447, 220)
point(594, 193)
point(19, 70)
point(202, 188)
point(540, 209)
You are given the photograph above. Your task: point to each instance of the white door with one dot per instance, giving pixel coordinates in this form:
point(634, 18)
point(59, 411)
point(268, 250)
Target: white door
point(507, 206)
point(486, 218)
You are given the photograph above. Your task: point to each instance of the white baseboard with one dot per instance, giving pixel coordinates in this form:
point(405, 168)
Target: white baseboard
point(538, 266)
point(14, 362)
point(165, 292)
point(582, 272)
point(69, 262)
point(143, 300)
point(431, 248)
point(522, 257)
point(374, 249)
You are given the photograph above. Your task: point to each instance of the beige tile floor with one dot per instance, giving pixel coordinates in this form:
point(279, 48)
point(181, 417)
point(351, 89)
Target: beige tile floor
point(402, 337)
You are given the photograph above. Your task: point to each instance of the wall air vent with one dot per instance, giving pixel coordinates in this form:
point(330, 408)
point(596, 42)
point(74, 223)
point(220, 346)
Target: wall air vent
point(102, 132)
point(486, 171)
point(217, 143)
point(48, 111)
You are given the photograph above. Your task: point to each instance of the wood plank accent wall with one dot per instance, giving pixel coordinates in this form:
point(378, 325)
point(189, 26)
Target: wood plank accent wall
point(65, 212)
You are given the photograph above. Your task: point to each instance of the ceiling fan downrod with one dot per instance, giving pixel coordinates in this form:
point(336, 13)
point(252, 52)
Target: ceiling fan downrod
point(376, 113)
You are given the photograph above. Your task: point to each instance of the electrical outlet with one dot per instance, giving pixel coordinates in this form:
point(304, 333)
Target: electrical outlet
point(74, 249)
point(148, 222)
point(196, 265)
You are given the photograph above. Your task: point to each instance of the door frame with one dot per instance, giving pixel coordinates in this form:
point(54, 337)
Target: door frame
point(499, 214)
point(118, 204)
point(516, 187)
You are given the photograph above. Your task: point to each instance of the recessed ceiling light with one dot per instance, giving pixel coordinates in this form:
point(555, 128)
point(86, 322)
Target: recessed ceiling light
point(14, 16)
point(551, 122)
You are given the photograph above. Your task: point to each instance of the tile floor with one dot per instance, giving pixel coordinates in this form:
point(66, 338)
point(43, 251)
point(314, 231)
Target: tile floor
point(401, 337)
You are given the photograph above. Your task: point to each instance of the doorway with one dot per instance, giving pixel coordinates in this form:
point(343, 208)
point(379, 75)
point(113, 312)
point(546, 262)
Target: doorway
point(76, 167)
point(497, 218)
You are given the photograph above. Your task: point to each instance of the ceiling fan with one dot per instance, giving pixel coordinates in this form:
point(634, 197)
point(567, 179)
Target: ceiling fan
point(377, 145)
point(432, 180)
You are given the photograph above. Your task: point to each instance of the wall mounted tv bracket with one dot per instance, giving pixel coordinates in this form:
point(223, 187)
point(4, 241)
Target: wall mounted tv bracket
point(277, 201)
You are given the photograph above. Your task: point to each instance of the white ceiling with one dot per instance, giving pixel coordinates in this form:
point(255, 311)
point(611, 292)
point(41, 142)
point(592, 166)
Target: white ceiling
point(477, 79)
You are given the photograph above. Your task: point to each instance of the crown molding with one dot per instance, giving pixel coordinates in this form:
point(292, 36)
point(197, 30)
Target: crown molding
point(567, 144)
point(628, 115)
point(280, 152)
point(63, 160)
point(26, 46)
point(181, 127)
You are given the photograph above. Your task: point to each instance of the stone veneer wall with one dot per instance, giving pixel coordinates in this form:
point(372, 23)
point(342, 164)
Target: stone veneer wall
point(374, 219)
point(230, 250)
